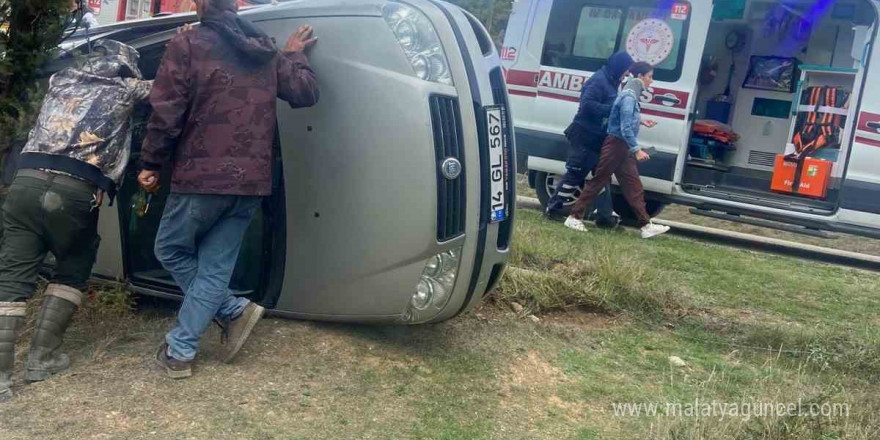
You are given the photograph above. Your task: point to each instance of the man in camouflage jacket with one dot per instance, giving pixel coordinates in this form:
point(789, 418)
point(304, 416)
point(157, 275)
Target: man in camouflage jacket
point(214, 120)
point(76, 153)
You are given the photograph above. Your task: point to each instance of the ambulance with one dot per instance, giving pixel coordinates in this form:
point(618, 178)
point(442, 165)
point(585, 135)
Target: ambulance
point(768, 111)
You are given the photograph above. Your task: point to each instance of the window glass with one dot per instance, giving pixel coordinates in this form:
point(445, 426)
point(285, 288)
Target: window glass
point(659, 29)
point(597, 30)
point(582, 35)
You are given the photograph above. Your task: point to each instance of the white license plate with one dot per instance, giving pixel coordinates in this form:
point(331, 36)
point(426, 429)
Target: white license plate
point(498, 167)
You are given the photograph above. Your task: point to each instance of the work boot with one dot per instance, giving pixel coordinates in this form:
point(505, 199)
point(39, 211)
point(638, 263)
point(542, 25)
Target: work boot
point(174, 368)
point(237, 330)
point(45, 358)
point(11, 319)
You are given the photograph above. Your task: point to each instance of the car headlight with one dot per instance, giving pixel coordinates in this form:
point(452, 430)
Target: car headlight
point(435, 285)
point(419, 41)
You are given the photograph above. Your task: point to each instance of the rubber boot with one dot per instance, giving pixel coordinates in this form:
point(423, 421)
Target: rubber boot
point(45, 358)
point(11, 320)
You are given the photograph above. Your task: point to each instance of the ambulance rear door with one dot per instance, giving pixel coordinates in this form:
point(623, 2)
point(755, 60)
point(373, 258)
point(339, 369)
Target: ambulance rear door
point(859, 203)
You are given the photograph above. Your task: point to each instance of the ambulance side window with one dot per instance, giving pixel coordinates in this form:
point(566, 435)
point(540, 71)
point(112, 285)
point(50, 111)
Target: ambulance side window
point(597, 30)
point(581, 35)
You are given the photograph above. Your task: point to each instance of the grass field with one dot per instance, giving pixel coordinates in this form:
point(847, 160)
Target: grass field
point(682, 214)
point(612, 309)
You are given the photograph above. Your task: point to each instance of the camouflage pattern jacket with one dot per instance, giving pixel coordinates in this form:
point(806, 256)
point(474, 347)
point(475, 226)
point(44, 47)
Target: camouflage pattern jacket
point(214, 104)
point(84, 126)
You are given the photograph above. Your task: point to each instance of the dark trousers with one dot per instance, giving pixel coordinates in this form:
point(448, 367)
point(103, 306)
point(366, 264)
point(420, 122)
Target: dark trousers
point(47, 213)
point(617, 160)
point(582, 159)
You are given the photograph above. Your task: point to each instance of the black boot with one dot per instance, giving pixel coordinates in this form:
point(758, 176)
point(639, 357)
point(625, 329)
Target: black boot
point(45, 358)
point(11, 319)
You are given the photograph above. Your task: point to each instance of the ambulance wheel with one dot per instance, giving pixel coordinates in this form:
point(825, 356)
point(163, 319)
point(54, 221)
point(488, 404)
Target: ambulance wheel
point(545, 186)
point(627, 215)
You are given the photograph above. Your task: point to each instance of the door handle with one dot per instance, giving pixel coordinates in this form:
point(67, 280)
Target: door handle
point(666, 98)
point(873, 124)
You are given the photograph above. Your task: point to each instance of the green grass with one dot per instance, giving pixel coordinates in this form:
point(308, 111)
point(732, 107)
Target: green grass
point(750, 327)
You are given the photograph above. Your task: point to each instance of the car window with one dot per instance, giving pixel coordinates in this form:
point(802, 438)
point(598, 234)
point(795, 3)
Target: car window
point(582, 35)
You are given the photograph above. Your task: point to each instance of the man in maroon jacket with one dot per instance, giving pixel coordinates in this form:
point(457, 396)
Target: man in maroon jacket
point(214, 101)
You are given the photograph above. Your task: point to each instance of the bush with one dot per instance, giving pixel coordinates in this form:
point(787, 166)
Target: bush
point(602, 282)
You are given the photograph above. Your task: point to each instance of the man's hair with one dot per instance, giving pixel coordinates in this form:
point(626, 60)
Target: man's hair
point(640, 68)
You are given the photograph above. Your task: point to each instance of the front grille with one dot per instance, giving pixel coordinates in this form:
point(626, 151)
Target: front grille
point(762, 158)
point(448, 143)
point(499, 94)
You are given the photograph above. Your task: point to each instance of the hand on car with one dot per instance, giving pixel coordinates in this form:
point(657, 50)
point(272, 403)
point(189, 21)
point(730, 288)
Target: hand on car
point(650, 123)
point(641, 156)
point(149, 180)
point(301, 40)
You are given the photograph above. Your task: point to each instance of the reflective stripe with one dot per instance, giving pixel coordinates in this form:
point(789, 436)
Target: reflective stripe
point(66, 293)
point(12, 308)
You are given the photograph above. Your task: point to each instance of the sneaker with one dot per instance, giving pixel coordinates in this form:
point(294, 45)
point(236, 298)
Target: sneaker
point(174, 368)
point(237, 330)
point(576, 224)
point(653, 230)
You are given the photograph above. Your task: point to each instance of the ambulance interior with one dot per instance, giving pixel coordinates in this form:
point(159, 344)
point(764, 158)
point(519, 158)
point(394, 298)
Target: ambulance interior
point(777, 95)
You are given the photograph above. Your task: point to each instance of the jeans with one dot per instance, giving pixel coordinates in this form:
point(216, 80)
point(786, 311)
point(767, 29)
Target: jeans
point(47, 213)
point(198, 242)
point(616, 160)
point(583, 157)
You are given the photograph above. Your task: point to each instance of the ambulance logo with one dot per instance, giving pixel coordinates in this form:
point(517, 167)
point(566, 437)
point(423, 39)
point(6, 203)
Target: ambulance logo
point(650, 40)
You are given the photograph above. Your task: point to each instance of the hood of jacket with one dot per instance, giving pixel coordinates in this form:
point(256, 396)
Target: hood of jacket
point(636, 86)
point(112, 59)
point(252, 43)
point(617, 65)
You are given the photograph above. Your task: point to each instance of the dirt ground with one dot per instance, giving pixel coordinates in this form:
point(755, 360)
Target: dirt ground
point(293, 380)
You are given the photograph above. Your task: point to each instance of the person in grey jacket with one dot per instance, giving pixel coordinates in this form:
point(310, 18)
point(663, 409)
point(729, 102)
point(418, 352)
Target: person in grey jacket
point(621, 154)
point(76, 153)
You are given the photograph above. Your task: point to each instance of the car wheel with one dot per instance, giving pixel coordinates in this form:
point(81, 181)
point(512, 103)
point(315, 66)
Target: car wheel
point(545, 186)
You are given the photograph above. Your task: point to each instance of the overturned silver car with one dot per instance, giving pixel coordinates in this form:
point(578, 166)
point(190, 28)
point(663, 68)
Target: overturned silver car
point(393, 197)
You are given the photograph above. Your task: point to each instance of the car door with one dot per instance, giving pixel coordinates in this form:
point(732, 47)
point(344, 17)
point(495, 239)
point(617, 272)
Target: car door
point(859, 202)
point(134, 220)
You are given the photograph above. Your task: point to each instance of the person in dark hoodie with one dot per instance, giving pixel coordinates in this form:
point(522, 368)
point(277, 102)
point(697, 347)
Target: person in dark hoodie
point(586, 135)
point(213, 118)
point(76, 153)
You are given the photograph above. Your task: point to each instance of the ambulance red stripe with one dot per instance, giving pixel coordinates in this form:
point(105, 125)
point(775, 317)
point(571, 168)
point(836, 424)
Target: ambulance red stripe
point(866, 141)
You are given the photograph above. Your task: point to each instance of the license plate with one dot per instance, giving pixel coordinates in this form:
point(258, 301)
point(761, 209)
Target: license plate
point(498, 167)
